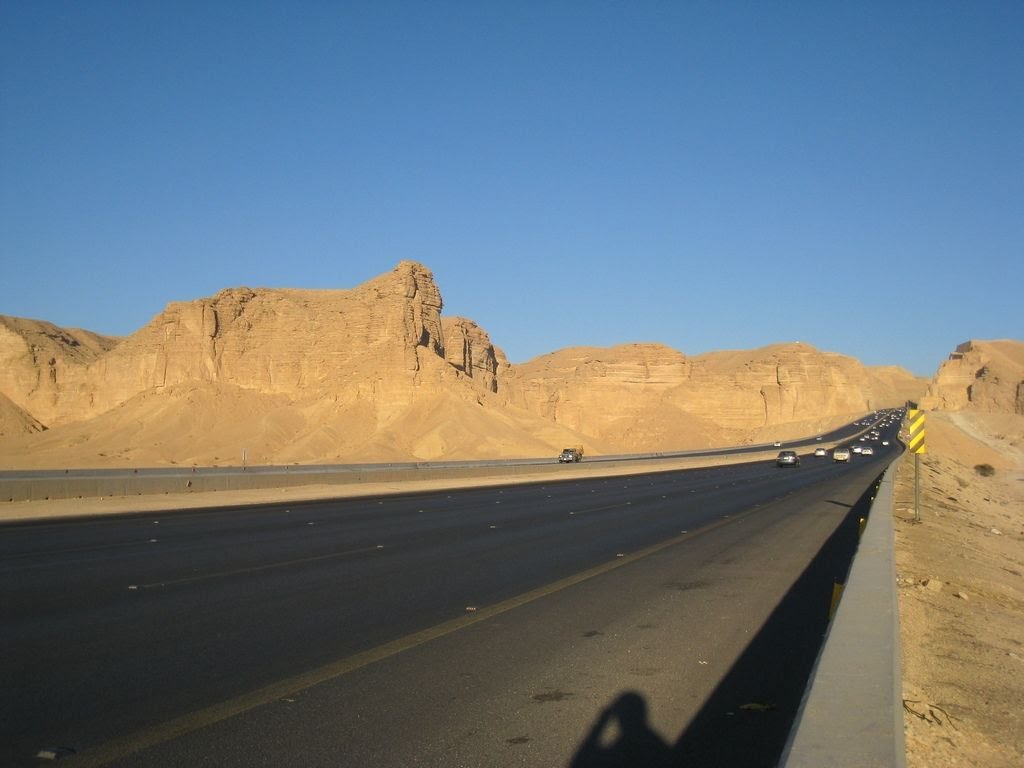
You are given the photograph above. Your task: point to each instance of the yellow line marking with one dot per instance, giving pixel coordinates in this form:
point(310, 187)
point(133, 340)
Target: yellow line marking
point(257, 568)
point(118, 749)
point(588, 510)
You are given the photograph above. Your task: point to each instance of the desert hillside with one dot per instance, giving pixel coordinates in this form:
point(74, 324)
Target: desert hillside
point(376, 373)
point(961, 592)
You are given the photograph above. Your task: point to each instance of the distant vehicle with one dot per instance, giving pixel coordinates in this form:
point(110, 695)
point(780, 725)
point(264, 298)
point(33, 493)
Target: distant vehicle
point(885, 442)
point(820, 451)
point(787, 459)
point(571, 455)
point(857, 448)
point(777, 443)
point(867, 451)
point(841, 454)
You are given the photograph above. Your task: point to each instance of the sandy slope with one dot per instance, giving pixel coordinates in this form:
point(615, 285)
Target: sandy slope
point(961, 577)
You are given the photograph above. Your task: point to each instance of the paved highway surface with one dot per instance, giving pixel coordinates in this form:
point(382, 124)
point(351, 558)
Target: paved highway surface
point(488, 627)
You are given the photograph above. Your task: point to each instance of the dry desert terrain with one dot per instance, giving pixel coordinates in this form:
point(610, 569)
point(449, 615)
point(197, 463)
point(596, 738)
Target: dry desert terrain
point(960, 572)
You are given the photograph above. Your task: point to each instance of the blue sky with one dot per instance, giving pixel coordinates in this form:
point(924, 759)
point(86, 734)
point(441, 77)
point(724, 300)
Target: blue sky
point(704, 175)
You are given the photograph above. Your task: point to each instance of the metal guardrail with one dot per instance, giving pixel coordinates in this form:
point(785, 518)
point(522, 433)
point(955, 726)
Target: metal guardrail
point(852, 711)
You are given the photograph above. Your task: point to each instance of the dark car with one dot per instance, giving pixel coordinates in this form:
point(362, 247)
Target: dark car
point(787, 459)
point(570, 455)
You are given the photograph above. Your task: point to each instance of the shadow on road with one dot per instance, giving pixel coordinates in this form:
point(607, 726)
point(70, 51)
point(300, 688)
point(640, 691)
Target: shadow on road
point(747, 719)
point(621, 736)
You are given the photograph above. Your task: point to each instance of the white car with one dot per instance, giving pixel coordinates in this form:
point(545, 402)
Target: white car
point(867, 450)
point(820, 452)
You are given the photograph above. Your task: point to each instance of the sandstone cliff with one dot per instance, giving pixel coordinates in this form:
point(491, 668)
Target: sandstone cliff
point(985, 376)
point(37, 357)
point(376, 374)
point(651, 395)
point(981, 386)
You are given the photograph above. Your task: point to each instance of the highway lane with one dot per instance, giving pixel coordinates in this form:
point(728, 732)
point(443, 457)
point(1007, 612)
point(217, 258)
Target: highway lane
point(115, 625)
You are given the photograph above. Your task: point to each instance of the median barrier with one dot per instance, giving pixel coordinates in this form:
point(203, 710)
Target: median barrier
point(44, 486)
point(74, 484)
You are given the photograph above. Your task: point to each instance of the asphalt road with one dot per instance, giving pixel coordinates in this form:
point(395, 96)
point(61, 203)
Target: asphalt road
point(489, 627)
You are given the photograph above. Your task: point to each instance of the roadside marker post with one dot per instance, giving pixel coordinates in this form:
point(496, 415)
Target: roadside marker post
point(915, 442)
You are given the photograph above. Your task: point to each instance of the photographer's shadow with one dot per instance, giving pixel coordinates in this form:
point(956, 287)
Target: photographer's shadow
point(622, 737)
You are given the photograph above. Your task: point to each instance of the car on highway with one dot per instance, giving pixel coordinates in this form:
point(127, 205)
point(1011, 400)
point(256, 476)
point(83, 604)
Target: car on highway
point(570, 456)
point(841, 454)
point(867, 451)
point(820, 452)
point(787, 459)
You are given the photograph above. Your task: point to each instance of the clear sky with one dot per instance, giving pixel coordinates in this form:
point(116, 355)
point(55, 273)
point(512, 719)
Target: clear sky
point(707, 175)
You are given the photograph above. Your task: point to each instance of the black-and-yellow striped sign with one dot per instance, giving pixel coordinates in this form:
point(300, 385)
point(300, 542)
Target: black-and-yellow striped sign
point(915, 431)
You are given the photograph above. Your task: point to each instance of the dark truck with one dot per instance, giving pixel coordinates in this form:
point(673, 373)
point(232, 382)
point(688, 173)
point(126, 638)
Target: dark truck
point(570, 455)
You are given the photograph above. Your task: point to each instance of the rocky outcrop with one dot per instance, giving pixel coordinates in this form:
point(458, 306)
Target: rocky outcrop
point(586, 387)
point(468, 349)
point(370, 341)
point(778, 384)
point(985, 376)
point(620, 396)
point(671, 401)
point(38, 358)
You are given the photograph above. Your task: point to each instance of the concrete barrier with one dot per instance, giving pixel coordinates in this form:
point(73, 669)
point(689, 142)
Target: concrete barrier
point(852, 711)
point(74, 485)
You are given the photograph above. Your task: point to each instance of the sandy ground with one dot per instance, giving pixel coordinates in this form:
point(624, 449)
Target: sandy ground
point(960, 571)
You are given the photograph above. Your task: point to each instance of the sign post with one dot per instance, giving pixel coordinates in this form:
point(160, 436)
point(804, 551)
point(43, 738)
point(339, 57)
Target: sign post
point(915, 442)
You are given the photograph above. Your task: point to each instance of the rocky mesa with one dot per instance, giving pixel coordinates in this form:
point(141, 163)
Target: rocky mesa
point(377, 373)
